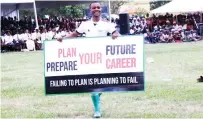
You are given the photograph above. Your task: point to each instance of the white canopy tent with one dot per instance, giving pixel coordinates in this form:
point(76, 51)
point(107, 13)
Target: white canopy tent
point(11, 7)
point(16, 1)
point(180, 6)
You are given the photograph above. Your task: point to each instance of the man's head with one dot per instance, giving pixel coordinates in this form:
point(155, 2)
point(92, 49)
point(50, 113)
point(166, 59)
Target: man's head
point(8, 32)
point(36, 30)
point(95, 8)
point(26, 31)
point(45, 30)
point(50, 29)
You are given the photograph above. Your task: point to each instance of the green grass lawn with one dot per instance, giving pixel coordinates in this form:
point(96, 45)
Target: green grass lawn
point(22, 88)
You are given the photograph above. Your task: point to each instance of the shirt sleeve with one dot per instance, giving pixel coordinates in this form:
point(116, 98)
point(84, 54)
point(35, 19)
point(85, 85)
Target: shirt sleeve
point(111, 28)
point(81, 28)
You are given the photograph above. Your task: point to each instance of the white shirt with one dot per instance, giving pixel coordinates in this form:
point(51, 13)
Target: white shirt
point(26, 36)
point(194, 35)
point(36, 35)
point(17, 37)
point(182, 34)
point(2, 38)
point(185, 26)
point(8, 39)
point(180, 28)
point(63, 33)
point(58, 35)
point(76, 24)
point(145, 35)
point(165, 36)
point(155, 27)
point(44, 36)
point(132, 31)
point(100, 29)
point(50, 35)
point(138, 29)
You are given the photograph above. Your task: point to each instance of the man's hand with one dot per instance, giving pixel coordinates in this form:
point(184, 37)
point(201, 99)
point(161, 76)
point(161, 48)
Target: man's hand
point(60, 39)
point(72, 35)
point(115, 35)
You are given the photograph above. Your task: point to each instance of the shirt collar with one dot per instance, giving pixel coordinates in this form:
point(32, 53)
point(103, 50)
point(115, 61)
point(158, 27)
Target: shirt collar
point(96, 22)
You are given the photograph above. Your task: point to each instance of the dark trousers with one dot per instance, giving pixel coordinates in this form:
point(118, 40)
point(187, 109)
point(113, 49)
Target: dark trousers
point(38, 46)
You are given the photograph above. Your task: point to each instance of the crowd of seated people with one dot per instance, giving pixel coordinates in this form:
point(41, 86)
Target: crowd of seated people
point(19, 35)
point(23, 34)
point(164, 29)
point(172, 35)
point(183, 19)
point(138, 25)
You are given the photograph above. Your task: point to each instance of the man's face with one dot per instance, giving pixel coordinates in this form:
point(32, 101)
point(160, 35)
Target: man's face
point(96, 9)
point(9, 33)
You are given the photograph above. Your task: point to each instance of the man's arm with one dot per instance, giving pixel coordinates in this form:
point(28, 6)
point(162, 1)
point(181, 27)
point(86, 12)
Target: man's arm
point(115, 34)
point(72, 35)
point(78, 31)
point(112, 29)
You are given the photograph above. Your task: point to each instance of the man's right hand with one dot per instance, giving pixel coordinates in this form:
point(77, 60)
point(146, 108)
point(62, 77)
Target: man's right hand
point(74, 34)
point(60, 39)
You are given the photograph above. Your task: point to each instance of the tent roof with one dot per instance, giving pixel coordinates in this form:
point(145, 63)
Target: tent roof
point(26, 4)
point(52, 3)
point(180, 6)
point(16, 1)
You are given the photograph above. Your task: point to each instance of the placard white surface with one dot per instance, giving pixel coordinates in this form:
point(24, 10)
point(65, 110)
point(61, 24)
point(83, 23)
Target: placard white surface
point(57, 52)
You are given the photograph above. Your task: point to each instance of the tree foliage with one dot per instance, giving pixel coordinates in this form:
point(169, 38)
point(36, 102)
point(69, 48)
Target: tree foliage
point(115, 5)
point(70, 11)
point(156, 4)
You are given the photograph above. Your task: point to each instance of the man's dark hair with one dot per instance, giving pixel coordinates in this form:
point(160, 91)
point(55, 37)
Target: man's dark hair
point(94, 2)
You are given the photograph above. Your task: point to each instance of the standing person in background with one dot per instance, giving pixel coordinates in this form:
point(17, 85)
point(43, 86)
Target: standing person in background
point(95, 27)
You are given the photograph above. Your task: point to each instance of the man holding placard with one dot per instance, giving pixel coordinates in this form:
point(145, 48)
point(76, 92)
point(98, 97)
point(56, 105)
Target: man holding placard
point(95, 27)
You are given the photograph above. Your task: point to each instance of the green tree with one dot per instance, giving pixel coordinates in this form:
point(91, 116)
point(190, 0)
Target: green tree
point(26, 13)
point(115, 6)
point(156, 4)
point(70, 11)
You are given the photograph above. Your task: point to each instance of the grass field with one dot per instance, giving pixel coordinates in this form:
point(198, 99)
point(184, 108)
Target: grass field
point(172, 90)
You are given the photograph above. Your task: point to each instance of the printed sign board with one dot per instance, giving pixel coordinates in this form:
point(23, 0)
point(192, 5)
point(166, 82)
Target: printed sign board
point(97, 64)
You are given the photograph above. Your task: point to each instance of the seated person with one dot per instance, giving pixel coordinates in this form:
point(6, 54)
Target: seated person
point(30, 44)
point(170, 37)
point(164, 37)
point(195, 36)
point(8, 41)
point(177, 36)
point(18, 39)
point(36, 37)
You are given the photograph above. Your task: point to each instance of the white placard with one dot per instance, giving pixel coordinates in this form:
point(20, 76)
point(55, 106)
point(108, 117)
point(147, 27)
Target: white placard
point(80, 56)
